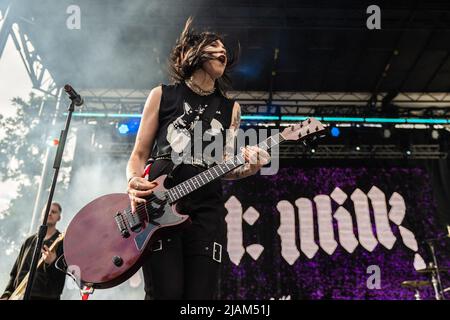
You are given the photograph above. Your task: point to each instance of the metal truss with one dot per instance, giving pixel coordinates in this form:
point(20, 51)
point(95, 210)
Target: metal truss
point(303, 98)
point(113, 100)
point(412, 99)
point(432, 151)
point(284, 103)
point(340, 110)
point(39, 75)
point(6, 21)
point(295, 151)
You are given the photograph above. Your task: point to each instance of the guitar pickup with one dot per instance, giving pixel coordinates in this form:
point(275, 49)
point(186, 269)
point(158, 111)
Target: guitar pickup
point(121, 225)
point(134, 221)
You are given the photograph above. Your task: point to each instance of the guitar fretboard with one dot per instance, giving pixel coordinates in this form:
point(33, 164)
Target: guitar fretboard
point(217, 171)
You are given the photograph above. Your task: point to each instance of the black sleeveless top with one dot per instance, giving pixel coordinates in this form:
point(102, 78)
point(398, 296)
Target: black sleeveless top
point(181, 110)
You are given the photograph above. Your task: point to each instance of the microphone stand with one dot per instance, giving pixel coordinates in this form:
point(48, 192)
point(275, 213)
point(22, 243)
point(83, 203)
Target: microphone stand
point(43, 228)
point(436, 277)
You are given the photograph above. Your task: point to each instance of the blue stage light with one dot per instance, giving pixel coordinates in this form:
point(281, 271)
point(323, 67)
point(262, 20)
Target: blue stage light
point(335, 132)
point(130, 126)
point(123, 129)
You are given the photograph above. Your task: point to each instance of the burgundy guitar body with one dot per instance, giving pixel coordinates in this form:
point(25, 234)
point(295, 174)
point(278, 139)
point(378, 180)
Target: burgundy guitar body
point(103, 251)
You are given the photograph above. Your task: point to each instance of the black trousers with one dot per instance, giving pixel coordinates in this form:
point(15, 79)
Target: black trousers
point(180, 268)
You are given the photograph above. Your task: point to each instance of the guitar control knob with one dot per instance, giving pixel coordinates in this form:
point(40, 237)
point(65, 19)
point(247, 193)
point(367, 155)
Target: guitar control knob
point(118, 261)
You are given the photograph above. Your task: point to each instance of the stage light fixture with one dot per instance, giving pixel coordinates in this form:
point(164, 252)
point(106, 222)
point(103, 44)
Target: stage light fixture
point(52, 142)
point(435, 134)
point(335, 132)
point(123, 129)
point(129, 127)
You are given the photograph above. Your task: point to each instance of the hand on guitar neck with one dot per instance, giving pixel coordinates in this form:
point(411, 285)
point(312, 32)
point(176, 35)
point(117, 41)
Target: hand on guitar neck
point(255, 157)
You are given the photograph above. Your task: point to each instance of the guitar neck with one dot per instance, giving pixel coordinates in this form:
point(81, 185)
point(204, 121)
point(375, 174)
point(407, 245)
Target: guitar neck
point(219, 170)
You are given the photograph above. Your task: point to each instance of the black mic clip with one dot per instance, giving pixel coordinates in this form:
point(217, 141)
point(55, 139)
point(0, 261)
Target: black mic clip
point(73, 95)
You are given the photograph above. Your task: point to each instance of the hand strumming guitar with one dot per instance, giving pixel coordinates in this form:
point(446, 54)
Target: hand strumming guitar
point(138, 189)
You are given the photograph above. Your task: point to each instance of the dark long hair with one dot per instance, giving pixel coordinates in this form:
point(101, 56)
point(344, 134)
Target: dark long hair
point(187, 56)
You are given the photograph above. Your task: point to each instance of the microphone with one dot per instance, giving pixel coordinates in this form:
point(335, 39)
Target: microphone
point(73, 95)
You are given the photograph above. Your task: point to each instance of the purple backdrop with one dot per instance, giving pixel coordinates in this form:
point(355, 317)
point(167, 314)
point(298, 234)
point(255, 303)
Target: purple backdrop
point(340, 275)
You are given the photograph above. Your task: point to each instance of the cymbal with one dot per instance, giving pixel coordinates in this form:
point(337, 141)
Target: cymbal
point(415, 284)
point(432, 269)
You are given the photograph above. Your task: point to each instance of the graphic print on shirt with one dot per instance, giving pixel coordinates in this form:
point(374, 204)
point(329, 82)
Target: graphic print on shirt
point(179, 132)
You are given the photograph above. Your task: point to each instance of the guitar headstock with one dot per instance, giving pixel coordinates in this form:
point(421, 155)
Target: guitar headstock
point(308, 128)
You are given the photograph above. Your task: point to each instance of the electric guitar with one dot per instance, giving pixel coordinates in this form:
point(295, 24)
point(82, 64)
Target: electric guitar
point(107, 243)
point(19, 292)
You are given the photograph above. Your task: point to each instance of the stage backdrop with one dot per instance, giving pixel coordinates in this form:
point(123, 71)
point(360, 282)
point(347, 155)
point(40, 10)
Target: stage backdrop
point(329, 233)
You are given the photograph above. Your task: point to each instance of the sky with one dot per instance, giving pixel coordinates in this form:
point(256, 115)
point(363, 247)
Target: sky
point(14, 82)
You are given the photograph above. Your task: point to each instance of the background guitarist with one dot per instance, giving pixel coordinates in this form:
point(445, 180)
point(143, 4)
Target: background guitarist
point(186, 265)
point(49, 281)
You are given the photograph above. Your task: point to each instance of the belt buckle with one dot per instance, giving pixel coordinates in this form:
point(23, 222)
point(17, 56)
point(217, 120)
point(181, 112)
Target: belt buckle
point(217, 247)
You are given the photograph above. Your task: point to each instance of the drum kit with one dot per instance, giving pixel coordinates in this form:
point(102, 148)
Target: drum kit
point(433, 271)
point(417, 284)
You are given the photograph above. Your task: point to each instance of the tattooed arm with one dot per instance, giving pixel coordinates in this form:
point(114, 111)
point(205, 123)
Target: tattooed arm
point(255, 157)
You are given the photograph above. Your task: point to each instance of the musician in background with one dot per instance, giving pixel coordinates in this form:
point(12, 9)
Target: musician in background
point(49, 281)
point(186, 265)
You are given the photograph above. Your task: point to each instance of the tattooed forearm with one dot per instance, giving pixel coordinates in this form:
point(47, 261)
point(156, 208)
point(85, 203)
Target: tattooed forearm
point(244, 170)
point(229, 151)
point(236, 123)
point(229, 144)
point(241, 172)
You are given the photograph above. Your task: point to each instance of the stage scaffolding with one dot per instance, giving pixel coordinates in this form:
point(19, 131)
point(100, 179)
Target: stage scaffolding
point(13, 25)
